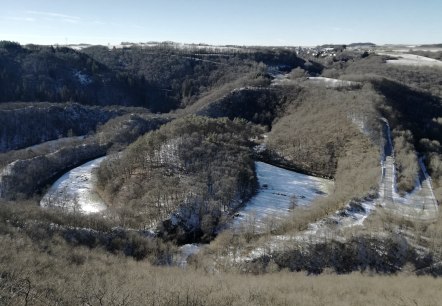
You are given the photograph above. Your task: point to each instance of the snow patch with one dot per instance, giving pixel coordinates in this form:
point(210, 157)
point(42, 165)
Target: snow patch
point(75, 192)
point(331, 83)
point(411, 59)
point(186, 251)
point(361, 124)
point(83, 78)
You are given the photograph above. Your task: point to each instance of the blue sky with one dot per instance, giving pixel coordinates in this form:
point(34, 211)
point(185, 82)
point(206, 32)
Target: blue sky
point(243, 22)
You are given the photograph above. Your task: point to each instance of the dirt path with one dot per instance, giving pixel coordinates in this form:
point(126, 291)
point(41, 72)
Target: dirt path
point(420, 204)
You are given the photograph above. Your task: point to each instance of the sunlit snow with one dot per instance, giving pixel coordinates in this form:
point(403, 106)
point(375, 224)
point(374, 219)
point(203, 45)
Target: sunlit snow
point(331, 83)
point(75, 191)
point(279, 189)
point(411, 59)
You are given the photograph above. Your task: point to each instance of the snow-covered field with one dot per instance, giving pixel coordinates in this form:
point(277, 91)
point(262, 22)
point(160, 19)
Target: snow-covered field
point(75, 190)
point(279, 190)
point(411, 59)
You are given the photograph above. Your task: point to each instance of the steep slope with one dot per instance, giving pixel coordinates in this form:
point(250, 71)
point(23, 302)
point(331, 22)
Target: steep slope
point(183, 179)
point(26, 176)
point(41, 73)
point(26, 124)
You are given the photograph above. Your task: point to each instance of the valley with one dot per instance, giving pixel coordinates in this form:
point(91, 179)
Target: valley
point(222, 161)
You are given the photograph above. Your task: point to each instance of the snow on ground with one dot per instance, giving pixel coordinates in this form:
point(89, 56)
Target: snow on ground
point(278, 188)
point(420, 203)
point(74, 191)
point(273, 201)
point(282, 79)
point(83, 78)
point(361, 122)
point(186, 251)
point(411, 59)
point(331, 83)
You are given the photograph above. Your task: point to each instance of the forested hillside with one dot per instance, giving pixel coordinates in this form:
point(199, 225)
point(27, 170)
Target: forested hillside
point(26, 124)
point(60, 74)
point(184, 178)
point(160, 78)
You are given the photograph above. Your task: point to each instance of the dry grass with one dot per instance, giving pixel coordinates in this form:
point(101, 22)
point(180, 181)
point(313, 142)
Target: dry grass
point(350, 182)
point(115, 281)
point(43, 270)
point(58, 274)
point(425, 235)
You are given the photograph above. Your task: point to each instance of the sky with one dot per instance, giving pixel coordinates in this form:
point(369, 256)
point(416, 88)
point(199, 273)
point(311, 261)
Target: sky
point(239, 22)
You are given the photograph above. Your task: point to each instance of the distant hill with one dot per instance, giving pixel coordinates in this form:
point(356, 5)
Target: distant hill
point(361, 44)
point(59, 74)
point(160, 78)
point(431, 46)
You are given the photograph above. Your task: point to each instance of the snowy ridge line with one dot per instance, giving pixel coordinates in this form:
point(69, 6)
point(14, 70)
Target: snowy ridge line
point(257, 88)
point(12, 164)
point(332, 83)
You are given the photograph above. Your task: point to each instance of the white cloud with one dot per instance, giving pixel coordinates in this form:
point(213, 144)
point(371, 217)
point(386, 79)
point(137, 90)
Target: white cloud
point(17, 18)
point(55, 16)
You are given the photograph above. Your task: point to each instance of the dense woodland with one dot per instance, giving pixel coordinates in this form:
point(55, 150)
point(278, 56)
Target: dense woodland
point(60, 74)
point(27, 124)
point(158, 78)
point(190, 173)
